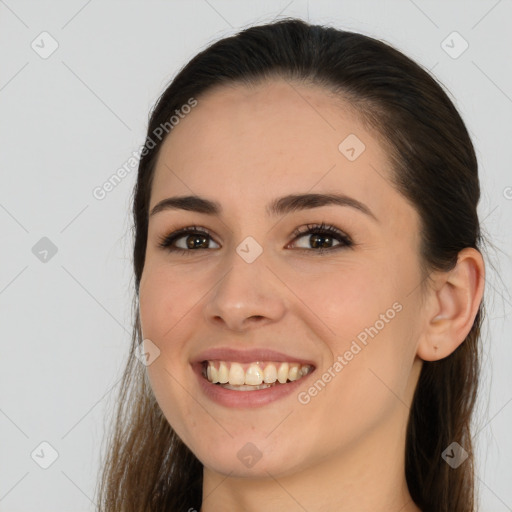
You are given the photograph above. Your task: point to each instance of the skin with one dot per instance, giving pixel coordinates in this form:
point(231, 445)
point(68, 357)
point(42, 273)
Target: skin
point(244, 146)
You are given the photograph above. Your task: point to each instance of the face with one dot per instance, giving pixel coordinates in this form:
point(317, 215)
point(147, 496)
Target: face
point(307, 307)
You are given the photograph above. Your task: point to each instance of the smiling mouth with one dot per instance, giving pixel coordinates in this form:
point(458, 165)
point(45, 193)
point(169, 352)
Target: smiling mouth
point(253, 376)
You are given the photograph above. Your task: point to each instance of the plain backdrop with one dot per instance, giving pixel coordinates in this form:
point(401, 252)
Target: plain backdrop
point(77, 81)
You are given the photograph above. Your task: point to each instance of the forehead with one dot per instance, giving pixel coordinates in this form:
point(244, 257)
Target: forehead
point(271, 139)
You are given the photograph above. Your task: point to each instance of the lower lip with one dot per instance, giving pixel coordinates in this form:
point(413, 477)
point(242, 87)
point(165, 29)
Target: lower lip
point(257, 398)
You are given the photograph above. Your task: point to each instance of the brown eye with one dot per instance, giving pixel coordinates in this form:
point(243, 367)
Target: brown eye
point(322, 237)
point(187, 240)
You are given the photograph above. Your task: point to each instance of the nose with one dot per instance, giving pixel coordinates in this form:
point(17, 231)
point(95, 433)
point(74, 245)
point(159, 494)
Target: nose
point(247, 296)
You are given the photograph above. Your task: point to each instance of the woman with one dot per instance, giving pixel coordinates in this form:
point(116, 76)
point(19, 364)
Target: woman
point(308, 286)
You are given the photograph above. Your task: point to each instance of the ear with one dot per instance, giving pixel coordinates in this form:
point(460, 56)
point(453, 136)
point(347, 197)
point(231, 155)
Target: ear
point(452, 306)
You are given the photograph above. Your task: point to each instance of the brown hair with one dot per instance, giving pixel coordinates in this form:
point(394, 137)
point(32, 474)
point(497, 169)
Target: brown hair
point(147, 467)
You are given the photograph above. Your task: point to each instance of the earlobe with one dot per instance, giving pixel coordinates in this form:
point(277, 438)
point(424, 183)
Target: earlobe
point(456, 297)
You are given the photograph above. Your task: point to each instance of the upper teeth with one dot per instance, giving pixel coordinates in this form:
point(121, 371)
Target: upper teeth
point(254, 374)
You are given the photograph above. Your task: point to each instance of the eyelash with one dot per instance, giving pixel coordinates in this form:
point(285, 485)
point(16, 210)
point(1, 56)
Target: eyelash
point(166, 241)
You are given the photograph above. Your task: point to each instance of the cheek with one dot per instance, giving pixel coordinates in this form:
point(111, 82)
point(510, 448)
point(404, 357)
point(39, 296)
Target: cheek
point(164, 305)
point(365, 384)
point(347, 298)
point(370, 339)
point(165, 298)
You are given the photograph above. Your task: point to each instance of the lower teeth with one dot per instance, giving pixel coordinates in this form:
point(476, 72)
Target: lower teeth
point(245, 387)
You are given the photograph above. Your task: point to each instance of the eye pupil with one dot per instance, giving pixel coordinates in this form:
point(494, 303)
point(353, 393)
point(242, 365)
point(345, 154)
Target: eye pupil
point(317, 237)
point(192, 239)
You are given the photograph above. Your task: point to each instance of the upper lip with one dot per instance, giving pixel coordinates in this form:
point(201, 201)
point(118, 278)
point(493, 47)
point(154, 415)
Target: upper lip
point(248, 356)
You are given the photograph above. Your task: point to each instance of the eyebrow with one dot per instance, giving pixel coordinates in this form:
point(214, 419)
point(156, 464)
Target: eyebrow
point(280, 206)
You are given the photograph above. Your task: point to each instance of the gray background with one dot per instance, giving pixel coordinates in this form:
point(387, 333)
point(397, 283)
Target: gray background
point(69, 121)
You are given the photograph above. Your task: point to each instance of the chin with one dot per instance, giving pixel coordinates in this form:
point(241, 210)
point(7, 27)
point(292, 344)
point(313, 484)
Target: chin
point(258, 458)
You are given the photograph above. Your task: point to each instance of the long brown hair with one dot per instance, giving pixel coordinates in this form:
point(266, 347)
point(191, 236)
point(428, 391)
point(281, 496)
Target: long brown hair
point(147, 467)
